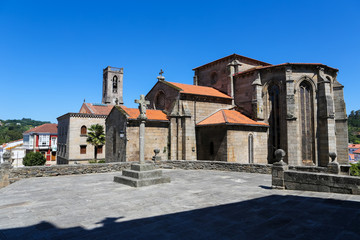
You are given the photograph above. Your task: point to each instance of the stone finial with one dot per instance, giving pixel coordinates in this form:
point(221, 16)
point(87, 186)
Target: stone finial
point(333, 155)
point(161, 77)
point(6, 156)
point(156, 157)
point(279, 155)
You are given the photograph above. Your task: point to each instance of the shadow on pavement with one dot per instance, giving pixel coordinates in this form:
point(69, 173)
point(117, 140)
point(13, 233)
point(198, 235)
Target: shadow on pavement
point(272, 217)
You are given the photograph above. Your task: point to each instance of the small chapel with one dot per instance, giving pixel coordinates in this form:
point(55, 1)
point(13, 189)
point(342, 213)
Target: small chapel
point(237, 110)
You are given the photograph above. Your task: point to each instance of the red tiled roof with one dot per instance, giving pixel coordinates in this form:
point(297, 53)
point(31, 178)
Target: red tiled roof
point(98, 109)
point(133, 113)
point(282, 64)
point(229, 117)
point(45, 128)
point(357, 151)
point(352, 157)
point(354, 146)
point(199, 90)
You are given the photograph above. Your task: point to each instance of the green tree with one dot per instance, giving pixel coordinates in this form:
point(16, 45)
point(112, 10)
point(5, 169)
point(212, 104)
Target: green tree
point(96, 137)
point(34, 159)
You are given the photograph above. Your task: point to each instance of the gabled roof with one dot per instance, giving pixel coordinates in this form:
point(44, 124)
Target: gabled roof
point(229, 117)
point(98, 109)
point(45, 128)
point(354, 146)
point(234, 56)
point(197, 90)
point(133, 113)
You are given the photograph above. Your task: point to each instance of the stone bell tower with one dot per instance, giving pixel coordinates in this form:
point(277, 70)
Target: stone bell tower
point(113, 86)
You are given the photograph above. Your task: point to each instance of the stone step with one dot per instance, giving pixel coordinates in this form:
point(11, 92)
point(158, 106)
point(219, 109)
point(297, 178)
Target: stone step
point(142, 167)
point(142, 174)
point(133, 182)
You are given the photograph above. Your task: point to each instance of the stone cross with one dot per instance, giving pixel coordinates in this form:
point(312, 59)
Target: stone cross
point(142, 106)
point(142, 117)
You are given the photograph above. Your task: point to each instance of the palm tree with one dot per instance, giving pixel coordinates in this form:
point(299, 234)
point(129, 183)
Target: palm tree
point(96, 137)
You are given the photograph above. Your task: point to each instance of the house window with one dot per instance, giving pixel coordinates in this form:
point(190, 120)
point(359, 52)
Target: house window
point(44, 140)
point(53, 141)
point(99, 149)
point(83, 149)
point(83, 130)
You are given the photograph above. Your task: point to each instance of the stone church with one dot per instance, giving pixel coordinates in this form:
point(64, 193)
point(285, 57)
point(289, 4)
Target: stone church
point(237, 110)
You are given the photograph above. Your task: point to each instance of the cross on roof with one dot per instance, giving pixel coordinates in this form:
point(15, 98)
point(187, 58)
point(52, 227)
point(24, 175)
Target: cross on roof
point(161, 72)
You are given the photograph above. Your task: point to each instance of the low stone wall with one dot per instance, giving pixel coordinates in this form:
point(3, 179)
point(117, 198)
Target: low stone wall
point(214, 165)
point(16, 174)
point(309, 169)
point(321, 182)
point(10, 175)
point(283, 178)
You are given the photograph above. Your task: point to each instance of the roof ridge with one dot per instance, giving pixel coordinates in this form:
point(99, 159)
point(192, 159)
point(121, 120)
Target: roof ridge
point(224, 115)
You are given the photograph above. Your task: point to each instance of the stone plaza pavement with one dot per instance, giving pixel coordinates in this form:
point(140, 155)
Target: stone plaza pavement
point(195, 205)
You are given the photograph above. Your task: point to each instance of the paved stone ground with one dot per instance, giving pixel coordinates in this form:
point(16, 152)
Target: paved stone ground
point(195, 205)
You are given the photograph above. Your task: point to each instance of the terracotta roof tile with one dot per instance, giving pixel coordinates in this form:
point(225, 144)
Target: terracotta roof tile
point(229, 117)
point(357, 151)
point(351, 156)
point(156, 115)
point(199, 90)
point(98, 109)
point(354, 146)
point(45, 128)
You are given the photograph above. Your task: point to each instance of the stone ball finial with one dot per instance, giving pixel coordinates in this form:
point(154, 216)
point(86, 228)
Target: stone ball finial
point(156, 151)
point(332, 155)
point(279, 155)
point(6, 156)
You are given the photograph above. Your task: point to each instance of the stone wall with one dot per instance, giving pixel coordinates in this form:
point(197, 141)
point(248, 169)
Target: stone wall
point(215, 165)
point(313, 179)
point(10, 175)
point(16, 174)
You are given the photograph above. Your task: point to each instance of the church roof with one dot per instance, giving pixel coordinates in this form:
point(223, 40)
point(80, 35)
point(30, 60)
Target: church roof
point(98, 109)
point(151, 114)
point(283, 64)
point(233, 56)
point(229, 117)
point(45, 128)
point(199, 90)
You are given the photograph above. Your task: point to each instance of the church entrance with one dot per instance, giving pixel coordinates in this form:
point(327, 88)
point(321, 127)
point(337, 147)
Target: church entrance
point(307, 126)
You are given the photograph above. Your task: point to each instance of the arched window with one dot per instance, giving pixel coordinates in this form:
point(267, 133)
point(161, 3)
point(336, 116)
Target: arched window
point(306, 121)
point(274, 121)
point(214, 77)
point(83, 130)
point(251, 148)
point(115, 84)
point(160, 101)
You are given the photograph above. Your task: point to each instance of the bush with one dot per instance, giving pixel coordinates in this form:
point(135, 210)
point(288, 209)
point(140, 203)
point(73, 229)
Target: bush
point(95, 161)
point(34, 159)
point(355, 169)
point(101, 161)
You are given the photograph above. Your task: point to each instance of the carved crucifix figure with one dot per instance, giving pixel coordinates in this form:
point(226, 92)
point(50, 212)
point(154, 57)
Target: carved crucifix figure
point(142, 106)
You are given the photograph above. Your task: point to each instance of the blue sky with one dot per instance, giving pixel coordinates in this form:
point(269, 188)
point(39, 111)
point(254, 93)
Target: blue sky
point(52, 52)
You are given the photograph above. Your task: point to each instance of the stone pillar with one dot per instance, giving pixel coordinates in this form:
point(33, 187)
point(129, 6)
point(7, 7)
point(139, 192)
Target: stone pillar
point(293, 139)
point(278, 169)
point(257, 101)
point(233, 69)
point(142, 142)
point(327, 138)
point(5, 170)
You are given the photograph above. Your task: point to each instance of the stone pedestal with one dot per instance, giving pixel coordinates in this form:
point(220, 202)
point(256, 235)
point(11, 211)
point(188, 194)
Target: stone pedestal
point(140, 175)
point(4, 174)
